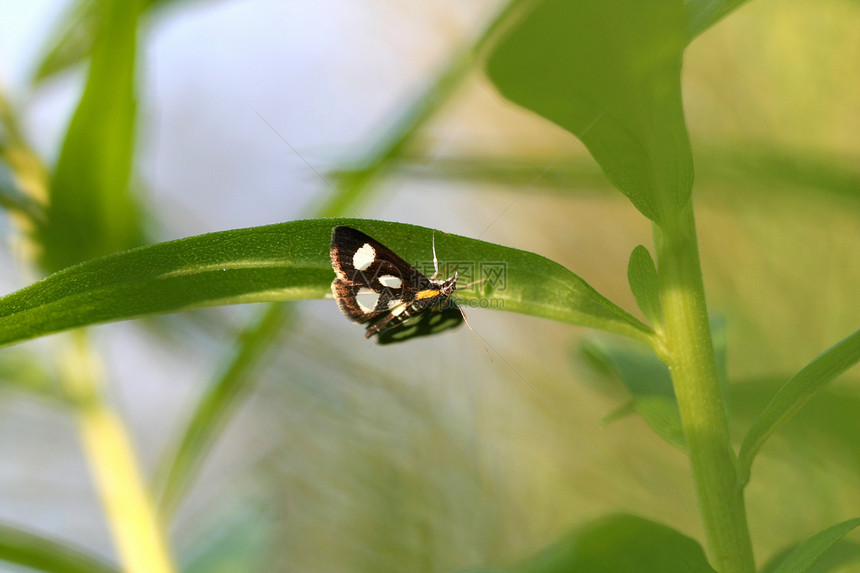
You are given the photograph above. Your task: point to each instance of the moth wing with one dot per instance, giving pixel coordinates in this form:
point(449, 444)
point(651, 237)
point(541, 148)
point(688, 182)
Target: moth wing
point(371, 278)
point(358, 257)
point(426, 323)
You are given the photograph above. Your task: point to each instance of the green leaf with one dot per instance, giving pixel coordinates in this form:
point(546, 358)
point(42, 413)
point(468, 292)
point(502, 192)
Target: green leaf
point(768, 170)
point(811, 550)
point(642, 276)
point(180, 464)
point(794, 394)
point(290, 261)
point(25, 371)
point(12, 197)
point(22, 174)
point(91, 211)
point(702, 14)
point(621, 544)
point(608, 71)
point(354, 184)
point(839, 555)
point(647, 379)
point(72, 41)
point(238, 539)
point(826, 428)
point(42, 554)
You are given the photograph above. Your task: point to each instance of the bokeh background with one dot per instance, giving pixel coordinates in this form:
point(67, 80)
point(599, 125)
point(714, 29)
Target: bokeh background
point(431, 456)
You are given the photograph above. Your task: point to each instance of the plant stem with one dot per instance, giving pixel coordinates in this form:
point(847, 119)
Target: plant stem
point(692, 363)
point(140, 541)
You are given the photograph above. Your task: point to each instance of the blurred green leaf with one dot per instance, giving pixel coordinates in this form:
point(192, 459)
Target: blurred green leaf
point(811, 551)
point(568, 174)
point(642, 276)
point(42, 554)
point(91, 211)
point(236, 542)
point(14, 200)
point(355, 183)
point(838, 555)
point(72, 41)
point(608, 71)
point(179, 465)
point(647, 379)
point(288, 261)
point(827, 426)
point(19, 167)
point(760, 167)
point(621, 544)
point(702, 14)
point(826, 367)
point(746, 167)
point(25, 371)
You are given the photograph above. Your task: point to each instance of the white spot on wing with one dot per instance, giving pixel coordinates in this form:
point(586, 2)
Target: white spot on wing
point(363, 257)
point(398, 310)
point(367, 299)
point(390, 281)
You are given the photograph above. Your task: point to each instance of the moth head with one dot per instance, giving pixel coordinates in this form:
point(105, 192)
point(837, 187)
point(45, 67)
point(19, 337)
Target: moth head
point(449, 285)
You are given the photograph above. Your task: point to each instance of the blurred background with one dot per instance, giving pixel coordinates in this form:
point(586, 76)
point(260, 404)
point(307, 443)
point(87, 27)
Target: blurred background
point(429, 456)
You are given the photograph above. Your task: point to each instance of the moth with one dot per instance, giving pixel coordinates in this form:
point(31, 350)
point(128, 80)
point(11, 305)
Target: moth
point(376, 287)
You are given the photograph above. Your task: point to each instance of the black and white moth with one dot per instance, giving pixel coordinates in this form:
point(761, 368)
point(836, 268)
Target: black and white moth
point(376, 287)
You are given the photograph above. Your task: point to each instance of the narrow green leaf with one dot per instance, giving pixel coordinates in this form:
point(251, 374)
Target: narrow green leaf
point(664, 417)
point(290, 261)
point(794, 394)
point(621, 544)
point(608, 71)
point(72, 41)
point(42, 554)
point(180, 464)
point(22, 174)
point(776, 171)
point(826, 427)
point(238, 539)
point(25, 371)
point(839, 555)
point(811, 550)
point(354, 184)
point(12, 198)
point(642, 276)
point(702, 14)
point(91, 211)
point(647, 379)
point(620, 412)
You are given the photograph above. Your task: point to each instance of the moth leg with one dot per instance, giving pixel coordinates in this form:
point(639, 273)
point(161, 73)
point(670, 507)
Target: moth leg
point(389, 320)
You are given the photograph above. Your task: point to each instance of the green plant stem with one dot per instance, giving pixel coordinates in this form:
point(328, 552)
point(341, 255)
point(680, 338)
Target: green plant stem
point(692, 363)
point(140, 541)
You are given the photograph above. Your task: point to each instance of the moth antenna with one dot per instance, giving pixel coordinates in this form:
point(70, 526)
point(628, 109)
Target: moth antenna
point(474, 332)
point(465, 286)
point(435, 260)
